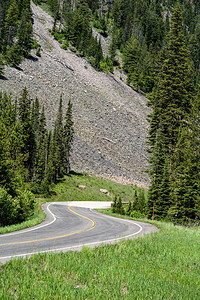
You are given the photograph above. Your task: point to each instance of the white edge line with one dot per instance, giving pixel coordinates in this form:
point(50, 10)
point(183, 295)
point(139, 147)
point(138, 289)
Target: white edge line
point(36, 227)
point(121, 219)
point(77, 246)
point(32, 228)
point(81, 245)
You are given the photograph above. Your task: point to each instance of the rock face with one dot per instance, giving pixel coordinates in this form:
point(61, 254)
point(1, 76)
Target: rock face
point(109, 117)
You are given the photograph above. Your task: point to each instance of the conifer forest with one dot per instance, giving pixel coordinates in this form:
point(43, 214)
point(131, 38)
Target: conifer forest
point(156, 43)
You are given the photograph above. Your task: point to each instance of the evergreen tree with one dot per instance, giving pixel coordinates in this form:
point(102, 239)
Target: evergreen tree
point(68, 136)
point(119, 207)
point(5, 161)
point(172, 105)
point(135, 201)
point(186, 174)
point(28, 138)
point(141, 201)
point(24, 33)
point(50, 171)
point(58, 143)
point(1, 65)
point(42, 148)
point(159, 193)
point(129, 209)
point(131, 61)
point(114, 206)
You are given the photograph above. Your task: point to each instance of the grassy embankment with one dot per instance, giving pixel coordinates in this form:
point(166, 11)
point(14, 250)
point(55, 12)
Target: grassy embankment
point(68, 190)
point(163, 265)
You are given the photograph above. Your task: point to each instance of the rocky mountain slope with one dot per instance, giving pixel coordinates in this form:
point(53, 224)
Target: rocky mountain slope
point(109, 117)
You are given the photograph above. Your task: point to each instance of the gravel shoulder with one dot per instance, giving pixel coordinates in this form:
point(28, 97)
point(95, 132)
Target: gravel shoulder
point(109, 117)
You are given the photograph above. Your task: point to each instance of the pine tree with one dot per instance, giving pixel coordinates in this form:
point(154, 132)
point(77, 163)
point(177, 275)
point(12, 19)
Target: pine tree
point(175, 89)
point(131, 62)
point(186, 174)
point(172, 105)
point(5, 161)
point(58, 143)
point(50, 171)
point(114, 206)
point(28, 137)
point(135, 201)
point(68, 136)
point(119, 207)
point(1, 65)
point(159, 194)
point(42, 148)
point(129, 209)
point(24, 33)
point(11, 21)
point(141, 201)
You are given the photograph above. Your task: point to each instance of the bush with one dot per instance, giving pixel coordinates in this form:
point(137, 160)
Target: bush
point(15, 210)
point(117, 206)
point(8, 208)
point(13, 55)
point(137, 214)
point(106, 65)
point(38, 53)
point(26, 202)
point(35, 44)
point(65, 45)
point(72, 48)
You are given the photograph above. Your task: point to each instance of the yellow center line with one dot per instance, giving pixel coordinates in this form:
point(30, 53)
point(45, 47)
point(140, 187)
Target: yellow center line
point(61, 236)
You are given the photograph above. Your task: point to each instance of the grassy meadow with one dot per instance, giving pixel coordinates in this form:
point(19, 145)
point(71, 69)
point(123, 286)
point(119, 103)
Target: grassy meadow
point(68, 189)
point(162, 265)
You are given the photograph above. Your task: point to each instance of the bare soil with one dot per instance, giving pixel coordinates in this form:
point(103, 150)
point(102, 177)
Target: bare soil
point(109, 116)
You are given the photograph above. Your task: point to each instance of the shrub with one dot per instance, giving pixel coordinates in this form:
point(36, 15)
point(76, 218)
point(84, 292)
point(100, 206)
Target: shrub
point(65, 45)
point(8, 208)
point(35, 44)
point(26, 202)
point(38, 53)
point(137, 214)
point(15, 210)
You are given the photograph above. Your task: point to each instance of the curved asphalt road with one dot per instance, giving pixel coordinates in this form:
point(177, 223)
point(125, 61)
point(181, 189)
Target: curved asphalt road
point(70, 226)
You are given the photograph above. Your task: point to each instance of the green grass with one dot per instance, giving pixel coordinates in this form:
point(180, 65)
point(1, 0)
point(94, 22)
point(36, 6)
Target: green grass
point(46, 8)
point(68, 190)
point(162, 265)
point(33, 220)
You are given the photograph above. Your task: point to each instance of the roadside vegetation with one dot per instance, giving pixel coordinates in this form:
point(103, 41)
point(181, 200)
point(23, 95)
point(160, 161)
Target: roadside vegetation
point(77, 187)
point(32, 221)
point(163, 265)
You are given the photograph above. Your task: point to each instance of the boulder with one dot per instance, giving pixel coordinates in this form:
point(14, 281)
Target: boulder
point(104, 192)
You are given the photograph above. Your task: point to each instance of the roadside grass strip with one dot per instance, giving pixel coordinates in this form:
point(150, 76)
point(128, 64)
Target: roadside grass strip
point(162, 265)
point(34, 220)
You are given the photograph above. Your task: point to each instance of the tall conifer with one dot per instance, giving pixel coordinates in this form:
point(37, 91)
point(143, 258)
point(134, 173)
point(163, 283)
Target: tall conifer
point(172, 105)
point(68, 136)
point(58, 142)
